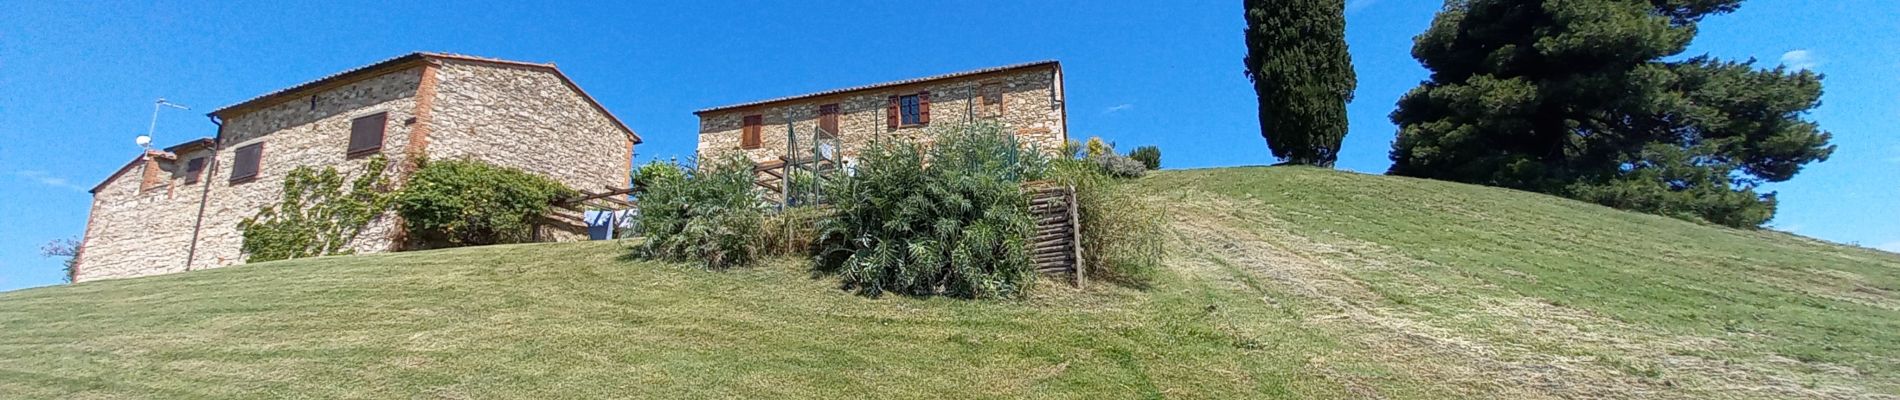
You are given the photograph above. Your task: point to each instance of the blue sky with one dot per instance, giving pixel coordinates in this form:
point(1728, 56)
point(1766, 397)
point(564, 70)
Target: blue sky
point(77, 79)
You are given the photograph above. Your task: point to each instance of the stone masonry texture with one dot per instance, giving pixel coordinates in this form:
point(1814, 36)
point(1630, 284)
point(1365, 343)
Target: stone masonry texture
point(1032, 108)
point(509, 114)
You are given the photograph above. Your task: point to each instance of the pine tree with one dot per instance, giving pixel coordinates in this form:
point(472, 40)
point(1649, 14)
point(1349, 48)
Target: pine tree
point(1302, 74)
point(1576, 98)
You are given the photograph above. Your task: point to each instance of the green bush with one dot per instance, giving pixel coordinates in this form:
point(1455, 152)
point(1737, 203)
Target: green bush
point(1149, 156)
point(1121, 234)
point(1118, 166)
point(709, 215)
point(951, 222)
point(451, 203)
point(315, 216)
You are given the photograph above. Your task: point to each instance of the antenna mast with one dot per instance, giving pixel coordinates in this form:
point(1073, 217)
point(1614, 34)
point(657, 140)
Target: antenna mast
point(146, 141)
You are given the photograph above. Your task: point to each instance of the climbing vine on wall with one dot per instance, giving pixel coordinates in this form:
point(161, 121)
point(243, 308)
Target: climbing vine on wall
point(317, 216)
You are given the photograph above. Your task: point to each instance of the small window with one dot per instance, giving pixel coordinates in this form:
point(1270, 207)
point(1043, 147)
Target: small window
point(749, 135)
point(366, 134)
point(909, 110)
point(828, 119)
point(244, 164)
point(194, 169)
point(992, 95)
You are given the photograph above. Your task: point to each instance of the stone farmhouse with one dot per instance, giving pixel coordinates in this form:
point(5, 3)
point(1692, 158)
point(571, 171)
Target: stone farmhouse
point(177, 209)
point(1026, 99)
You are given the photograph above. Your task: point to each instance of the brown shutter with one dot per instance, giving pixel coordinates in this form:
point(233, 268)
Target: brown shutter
point(923, 107)
point(366, 134)
point(749, 135)
point(244, 167)
point(890, 113)
point(828, 119)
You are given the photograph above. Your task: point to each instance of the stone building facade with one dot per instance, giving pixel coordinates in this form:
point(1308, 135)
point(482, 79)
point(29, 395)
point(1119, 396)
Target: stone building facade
point(178, 209)
point(1025, 99)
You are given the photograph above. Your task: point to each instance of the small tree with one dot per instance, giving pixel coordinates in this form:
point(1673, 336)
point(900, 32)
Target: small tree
point(63, 248)
point(1149, 156)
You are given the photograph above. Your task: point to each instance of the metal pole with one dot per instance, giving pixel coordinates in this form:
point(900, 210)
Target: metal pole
point(791, 157)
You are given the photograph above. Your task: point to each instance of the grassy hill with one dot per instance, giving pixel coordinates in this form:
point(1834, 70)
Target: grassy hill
point(1281, 282)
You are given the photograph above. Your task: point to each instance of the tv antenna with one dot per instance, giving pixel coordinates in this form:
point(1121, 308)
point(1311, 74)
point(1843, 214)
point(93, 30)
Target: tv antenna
point(145, 141)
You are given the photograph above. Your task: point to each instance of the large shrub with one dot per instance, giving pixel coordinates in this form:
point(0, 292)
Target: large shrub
point(710, 215)
point(950, 221)
point(316, 216)
point(1121, 234)
point(452, 203)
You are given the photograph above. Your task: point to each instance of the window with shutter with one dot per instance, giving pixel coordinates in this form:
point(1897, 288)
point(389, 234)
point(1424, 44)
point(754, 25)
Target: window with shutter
point(749, 136)
point(194, 169)
point(366, 134)
point(244, 163)
point(828, 119)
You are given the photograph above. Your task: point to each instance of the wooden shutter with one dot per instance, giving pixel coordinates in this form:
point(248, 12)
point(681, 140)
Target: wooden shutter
point(923, 107)
point(194, 169)
point(244, 165)
point(366, 134)
point(890, 113)
point(749, 135)
point(828, 119)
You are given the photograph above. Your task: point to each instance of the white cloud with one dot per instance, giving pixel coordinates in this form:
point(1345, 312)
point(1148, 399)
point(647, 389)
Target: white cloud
point(1356, 5)
point(1890, 246)
point(49, 180)
point(1119, 108)
point(1800, 59)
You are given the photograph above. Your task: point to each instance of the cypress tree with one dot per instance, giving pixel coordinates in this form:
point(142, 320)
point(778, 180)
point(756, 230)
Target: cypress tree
point(1302, 74)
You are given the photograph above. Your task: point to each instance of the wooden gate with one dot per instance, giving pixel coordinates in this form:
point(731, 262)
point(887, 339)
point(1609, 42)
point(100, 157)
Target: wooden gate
point(1056, 247)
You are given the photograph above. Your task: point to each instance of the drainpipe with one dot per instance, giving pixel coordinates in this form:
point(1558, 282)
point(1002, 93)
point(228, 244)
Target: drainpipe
point(204, 194)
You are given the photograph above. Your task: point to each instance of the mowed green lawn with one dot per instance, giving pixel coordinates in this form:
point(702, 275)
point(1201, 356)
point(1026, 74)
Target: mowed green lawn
point(577, 321)
point(1280, 283)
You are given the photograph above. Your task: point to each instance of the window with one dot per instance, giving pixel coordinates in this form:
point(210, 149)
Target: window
point(749, 135)
point(244, 165)
point(908, 110)
point(828, 119)
point(992, 99)
point(366, 134)
point(193, 169)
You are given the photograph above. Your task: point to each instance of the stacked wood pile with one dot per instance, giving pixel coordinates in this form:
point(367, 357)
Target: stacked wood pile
point(1056, 247)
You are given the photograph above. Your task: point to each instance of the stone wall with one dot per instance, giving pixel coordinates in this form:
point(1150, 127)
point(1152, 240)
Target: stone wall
point(1032, 108)
point(528, 118)
point(139, 228)
point(133, 234)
